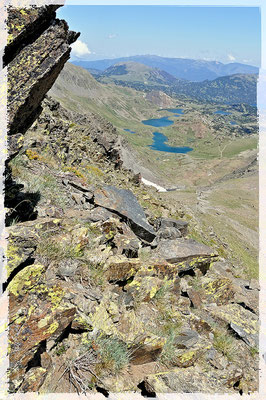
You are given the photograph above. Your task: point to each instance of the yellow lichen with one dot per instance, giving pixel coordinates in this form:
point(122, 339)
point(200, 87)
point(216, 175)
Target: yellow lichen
point(187, 356)
point(23, 281)
point(153, 291)
point(53, 327)
point(43, 322)
point(14, 257)
point(56, 295)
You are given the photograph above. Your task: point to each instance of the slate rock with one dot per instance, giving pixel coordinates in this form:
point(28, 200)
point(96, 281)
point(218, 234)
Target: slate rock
point(179, 224)
point(194, 297)
point(186, 339)
point(169, 233)
point(181, 249)
point(36, 64)
point(100, 214)
point(68, 267)
point(243, 322)
point(126, 205)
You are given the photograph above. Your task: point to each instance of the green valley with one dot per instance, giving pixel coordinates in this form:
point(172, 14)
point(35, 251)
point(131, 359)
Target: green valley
point(220, 148)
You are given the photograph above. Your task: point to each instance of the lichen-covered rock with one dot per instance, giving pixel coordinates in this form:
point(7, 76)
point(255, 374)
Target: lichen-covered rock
point(37, 314)
point(178, 250)
point(42, 46)
point(243, 322)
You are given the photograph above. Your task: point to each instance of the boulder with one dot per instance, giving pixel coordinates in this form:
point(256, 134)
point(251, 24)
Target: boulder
point(186, 339)
point(100, 214)
point(243, 322)
point(187, 253)
point(121, 269)
point(124, 203)
point(179, 224)
point(167, 233)
point(148, 352)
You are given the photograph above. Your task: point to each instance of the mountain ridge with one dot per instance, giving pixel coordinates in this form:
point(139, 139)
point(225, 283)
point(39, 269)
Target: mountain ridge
point(236, 88)
point(182, 68)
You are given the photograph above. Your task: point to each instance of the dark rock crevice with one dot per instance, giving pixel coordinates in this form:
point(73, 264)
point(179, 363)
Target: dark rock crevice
point(146, 390)
point(36, 359)
point(20, 267)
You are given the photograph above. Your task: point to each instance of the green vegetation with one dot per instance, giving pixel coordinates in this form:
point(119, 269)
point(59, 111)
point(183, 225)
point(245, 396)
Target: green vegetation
point(49, 247)
point(168, 354)
point(219, 149)
point(60, 350)
point(113, 353)
point(225, 344)
point(236, 88)
point(254, 351)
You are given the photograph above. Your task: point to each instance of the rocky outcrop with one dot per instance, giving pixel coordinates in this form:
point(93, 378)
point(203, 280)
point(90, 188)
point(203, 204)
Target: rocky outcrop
point(159, 98)
point(105, 294)
point(38, 47)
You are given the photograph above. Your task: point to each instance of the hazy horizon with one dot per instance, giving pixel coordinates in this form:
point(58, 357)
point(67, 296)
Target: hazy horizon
point(156, 55)
point(223, 34)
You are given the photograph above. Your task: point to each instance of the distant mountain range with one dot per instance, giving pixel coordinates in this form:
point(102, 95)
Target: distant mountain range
point(182, 68)
point(237, 88)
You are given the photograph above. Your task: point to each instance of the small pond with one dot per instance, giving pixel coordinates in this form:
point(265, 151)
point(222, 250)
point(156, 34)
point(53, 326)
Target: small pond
point(129, 130)
point(158, 122)
point(178, 111)
point(159, 144)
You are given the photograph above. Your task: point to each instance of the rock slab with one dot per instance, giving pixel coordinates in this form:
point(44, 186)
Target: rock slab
point(126, 205)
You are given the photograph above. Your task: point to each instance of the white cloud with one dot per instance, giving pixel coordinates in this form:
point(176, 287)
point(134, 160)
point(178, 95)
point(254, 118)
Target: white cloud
point(231, 57)
point(112, 35)
point(80, 49)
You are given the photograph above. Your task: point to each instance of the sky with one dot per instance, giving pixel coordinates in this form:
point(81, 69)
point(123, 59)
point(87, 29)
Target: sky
point(226, 34)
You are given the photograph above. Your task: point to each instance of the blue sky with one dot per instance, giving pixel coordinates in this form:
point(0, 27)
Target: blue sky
point(226, 34)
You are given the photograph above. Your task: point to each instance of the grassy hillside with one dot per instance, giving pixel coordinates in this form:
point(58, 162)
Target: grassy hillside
point(219, 151)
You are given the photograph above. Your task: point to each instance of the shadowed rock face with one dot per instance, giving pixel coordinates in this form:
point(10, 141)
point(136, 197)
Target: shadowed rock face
point(41, 44)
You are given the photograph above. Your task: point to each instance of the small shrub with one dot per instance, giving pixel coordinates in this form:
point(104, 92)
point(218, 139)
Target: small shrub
point(97, 274)
point(75, 171)
point(113, 352)
point(163, 291)
point(56, 251)
point(254, 351)
point(224, 344)
point(62, 349)
point(168, 353)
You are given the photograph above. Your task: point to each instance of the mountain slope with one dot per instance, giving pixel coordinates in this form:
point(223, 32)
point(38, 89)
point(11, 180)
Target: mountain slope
point(77, 89)
point(238, 88)
point(136, 72)
point(182, 68)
